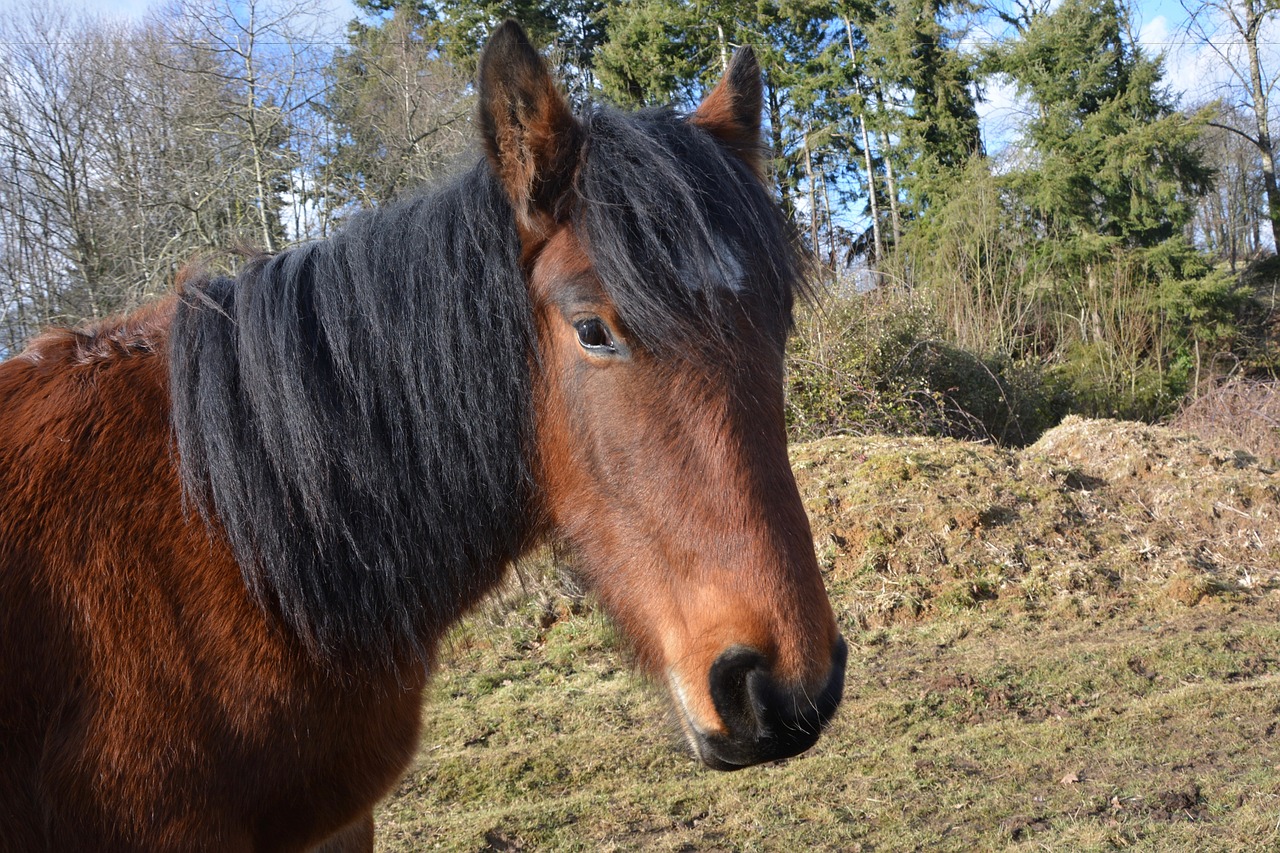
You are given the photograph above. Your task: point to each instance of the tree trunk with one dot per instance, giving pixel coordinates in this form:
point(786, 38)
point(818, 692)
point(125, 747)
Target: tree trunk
point(257, 138)
point(1253, 22)
point(877, 243)
point(775, 140)
point(812, 193)
point(891, 184)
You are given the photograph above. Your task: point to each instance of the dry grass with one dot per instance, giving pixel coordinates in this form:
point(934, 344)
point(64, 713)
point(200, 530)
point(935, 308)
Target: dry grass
point(1071, 647)
point(1093, 513)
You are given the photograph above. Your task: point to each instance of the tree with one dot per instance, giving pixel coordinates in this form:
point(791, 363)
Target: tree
point(94, 156)
point(1234, 30)
point(398, 108)
point(1112, 156)
point(50, 97)
point(123, 157)
point(266, 53)
point(1229, 218)
point(663, 51)
point(571, 30)
point(1111, 177)
point(925, 92)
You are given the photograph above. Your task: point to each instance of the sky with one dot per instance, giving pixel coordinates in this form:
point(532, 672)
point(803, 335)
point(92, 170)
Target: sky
point(128, 9)
point(132, 10)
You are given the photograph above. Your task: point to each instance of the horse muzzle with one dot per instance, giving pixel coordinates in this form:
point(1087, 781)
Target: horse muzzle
point(764, 720)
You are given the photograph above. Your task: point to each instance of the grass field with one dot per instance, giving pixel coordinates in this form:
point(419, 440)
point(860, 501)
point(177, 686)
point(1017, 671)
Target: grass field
point(1071, 647)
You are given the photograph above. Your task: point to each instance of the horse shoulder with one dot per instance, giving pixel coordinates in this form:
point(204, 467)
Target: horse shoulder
point(145, 698)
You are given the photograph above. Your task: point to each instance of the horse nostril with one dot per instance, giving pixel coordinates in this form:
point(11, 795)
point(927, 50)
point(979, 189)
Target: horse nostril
point(763, 719)
point(736, 680)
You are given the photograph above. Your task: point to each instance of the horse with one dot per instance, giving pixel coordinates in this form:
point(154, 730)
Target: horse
point(235, 523)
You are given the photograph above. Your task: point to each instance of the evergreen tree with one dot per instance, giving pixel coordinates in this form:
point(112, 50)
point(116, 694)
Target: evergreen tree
point(571, 30)
point(1109, 180)
point(668, 51)
point(1112, 155)
point(925, 91)
point(398, 107)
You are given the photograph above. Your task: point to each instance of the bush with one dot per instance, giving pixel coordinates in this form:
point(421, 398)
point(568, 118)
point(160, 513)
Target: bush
point(992, 398)
point(843, 365)
point(1097, 381)
point(874, 362)
point(1260, 319)
point(1241, 413)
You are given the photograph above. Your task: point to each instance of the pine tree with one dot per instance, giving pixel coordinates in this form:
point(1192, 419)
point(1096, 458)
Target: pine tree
point(1109, 180)
point(1112, 155)
point(570, 30)
point(925, 90)
point(398, 107)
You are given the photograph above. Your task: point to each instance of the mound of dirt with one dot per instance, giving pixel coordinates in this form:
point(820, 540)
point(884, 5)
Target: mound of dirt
point(1095, 516)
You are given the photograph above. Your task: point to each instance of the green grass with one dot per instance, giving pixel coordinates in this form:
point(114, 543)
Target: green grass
point(1017, 704)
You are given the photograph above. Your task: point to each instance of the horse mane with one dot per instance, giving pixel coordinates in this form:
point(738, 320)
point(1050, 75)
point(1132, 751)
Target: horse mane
point(356, 413)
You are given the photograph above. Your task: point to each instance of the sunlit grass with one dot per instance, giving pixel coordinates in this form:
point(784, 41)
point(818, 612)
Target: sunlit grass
point(1020, 693)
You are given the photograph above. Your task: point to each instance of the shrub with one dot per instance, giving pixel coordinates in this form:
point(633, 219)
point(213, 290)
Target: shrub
point(843, 368)
point(874, 362)
point(1243, 414)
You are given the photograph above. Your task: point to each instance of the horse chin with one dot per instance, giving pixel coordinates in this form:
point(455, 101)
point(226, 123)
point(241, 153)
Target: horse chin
point(761, 720)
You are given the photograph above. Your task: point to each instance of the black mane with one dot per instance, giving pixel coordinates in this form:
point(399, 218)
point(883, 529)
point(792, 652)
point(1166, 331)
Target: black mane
point(357, 413)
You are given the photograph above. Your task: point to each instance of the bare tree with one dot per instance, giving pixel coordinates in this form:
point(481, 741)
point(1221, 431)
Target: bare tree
point(1228, 218)
point(125, 152)
point(1236, 31)
point(268, 56)
point(50, 93)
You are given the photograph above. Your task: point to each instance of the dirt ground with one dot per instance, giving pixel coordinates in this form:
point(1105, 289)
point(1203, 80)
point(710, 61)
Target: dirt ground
point(1075, 646)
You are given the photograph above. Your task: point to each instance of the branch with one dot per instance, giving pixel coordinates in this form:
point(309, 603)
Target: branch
point(1236, 130)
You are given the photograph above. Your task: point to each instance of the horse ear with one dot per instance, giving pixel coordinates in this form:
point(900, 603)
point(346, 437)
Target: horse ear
point(529, 133)
point(732, 111)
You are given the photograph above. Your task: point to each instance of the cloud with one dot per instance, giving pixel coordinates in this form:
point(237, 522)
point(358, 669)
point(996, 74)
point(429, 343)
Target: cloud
point(1192, 70)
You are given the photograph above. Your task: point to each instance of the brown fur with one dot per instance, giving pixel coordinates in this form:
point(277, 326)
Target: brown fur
point(685, 570)
point(731, 111)
point(532, 139)
point(106, 748)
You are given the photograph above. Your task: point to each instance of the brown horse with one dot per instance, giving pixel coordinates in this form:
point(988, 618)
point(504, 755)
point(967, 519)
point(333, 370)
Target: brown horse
point(235, 524)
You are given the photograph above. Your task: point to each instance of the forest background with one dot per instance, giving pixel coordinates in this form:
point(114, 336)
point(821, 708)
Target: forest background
point(1100, 244)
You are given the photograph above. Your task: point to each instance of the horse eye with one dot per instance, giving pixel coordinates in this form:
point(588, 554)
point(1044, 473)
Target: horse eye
point(593, 335)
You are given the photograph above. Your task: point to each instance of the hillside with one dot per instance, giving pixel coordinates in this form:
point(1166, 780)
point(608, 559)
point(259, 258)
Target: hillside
point(1072, 646)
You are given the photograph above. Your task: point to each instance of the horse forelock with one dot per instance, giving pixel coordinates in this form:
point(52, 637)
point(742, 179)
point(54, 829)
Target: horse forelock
point(682, 232)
